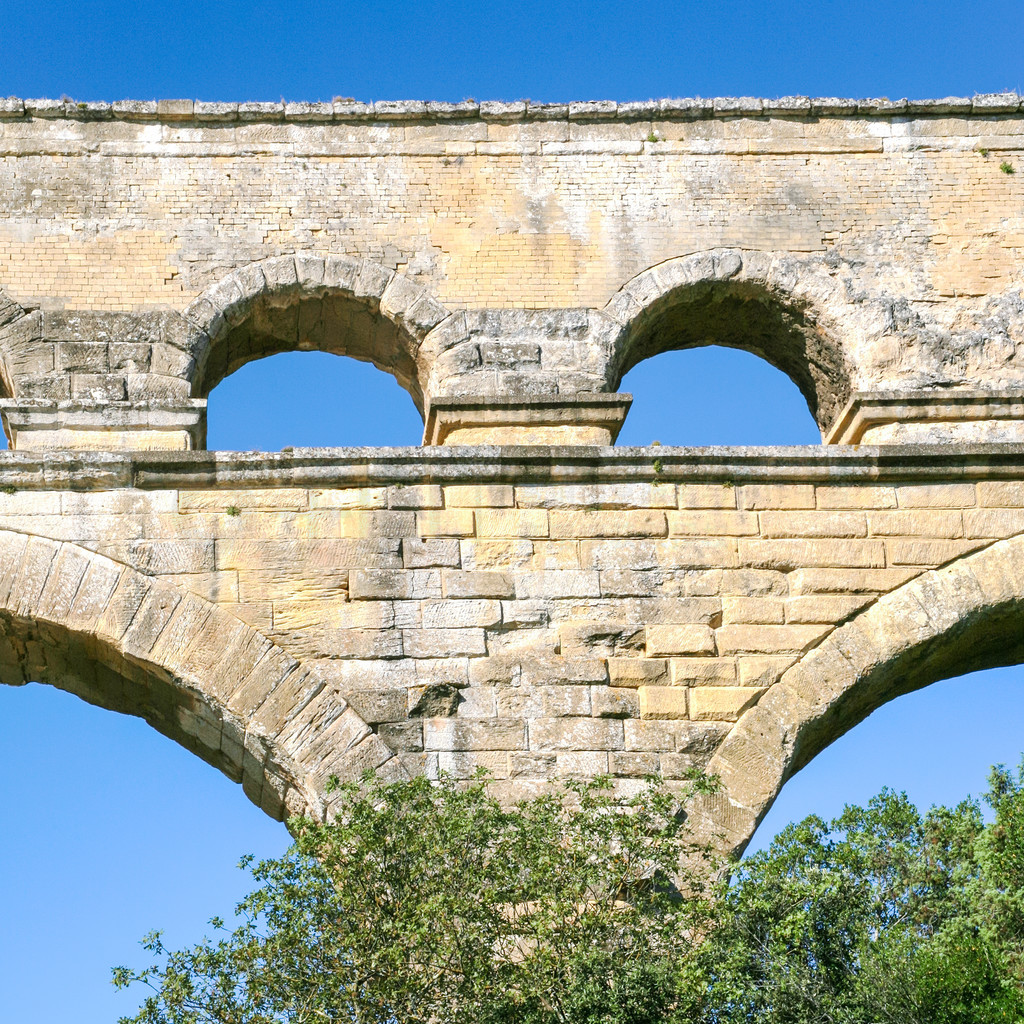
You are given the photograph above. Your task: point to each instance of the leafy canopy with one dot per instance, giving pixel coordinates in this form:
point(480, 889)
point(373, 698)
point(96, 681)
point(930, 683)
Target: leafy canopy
point(431, 903)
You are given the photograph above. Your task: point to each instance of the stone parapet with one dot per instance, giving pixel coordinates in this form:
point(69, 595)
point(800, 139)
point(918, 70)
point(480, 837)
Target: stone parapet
point(402, 111)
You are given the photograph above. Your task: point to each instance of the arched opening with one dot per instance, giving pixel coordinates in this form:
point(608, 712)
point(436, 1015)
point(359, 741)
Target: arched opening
point(936, 744)
point(962, 618)
point(332, 304)
point(109, 831)
point(135, 644)
point(736, 300)
point(714, 396)
point(309, 400)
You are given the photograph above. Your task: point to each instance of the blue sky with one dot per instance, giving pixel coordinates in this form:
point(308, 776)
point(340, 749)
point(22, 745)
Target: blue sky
point(107, 829)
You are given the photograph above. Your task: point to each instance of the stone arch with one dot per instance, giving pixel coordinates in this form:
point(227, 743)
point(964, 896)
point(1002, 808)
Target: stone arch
point(771, 304)
point(10, 313)
point(967, 615)
point(135, 644)
point(340, 304)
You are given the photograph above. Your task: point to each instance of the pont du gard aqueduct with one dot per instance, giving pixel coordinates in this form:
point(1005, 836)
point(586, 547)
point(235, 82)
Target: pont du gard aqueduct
point(517, 594)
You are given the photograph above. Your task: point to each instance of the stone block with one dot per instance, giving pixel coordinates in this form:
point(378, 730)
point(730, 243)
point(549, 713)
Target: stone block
point(684, 638)
point(1000, 493)
point(712, 522)
point(443, 642)
point(564, 701)
point(866, 496)
point(935, 495)
point(928, 553)
point(813, 524)
point(487, 496)
point(917, 523)
point(557, 583)
point(349, 498)
point(416, 496)
point(448, 614)
point(831, 608)
point(596, 496)
point(624, 523)
point(789, 554)
point(663, 702)
point(772, 496)
point(763, 671)
point(555, 734)
point(456, 583)
point(702, 671)
point(633, 764)
point(722, 703)
point(625, 672)
point(496, 554)
point(379, 584)
point(753, 610)
point(614, 702)
point(445, 523)
point(707, 496)
point(430, 554)
point(512, 523)
point(756, 639)
point(450, 734)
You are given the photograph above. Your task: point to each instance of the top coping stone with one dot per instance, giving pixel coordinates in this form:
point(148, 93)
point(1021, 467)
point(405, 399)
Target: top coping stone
point(344, 110)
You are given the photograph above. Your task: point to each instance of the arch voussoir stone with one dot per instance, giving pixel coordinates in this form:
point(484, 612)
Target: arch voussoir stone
point(785, 309)
point(281, 281)
point(959, 617)
point(207, 679)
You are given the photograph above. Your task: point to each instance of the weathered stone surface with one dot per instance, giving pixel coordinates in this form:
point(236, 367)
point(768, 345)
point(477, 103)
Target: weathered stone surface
point(543, 609)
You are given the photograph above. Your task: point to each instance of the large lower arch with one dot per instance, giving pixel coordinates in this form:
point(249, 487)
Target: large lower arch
point(134, 644)
point(773, 305)
point(965, 616)
point(340, 304)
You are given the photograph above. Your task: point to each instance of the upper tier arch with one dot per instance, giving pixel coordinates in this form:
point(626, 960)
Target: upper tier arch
point(772, 305)
point(340, 304)
point(131, 643)
point(959, 618)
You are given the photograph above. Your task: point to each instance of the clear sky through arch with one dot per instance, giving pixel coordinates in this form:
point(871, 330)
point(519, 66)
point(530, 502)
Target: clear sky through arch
point(108, 829)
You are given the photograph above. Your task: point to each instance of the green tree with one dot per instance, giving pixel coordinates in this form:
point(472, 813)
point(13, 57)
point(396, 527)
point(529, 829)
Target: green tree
point(881, 915)
point(432, 903)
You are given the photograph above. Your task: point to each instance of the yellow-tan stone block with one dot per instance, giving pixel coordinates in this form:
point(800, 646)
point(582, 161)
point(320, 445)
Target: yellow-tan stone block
point(722, 703)
point(445, 523)
point(663, 702)
point(512, 523)
point(687, 638)
point(486, 496)
point(710, 523)
point(624, 523)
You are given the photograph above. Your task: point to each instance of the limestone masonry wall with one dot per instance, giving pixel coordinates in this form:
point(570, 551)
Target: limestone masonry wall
point(516, 594)
point(870, 249)
point(535, 628)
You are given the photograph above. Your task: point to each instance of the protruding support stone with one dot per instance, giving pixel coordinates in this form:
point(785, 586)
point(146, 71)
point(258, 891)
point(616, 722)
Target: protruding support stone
point(535, 419)
point(930, 417)
point(103, 426)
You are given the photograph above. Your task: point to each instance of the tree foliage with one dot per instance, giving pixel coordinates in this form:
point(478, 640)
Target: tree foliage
point(431, 903)
point(881, 915)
